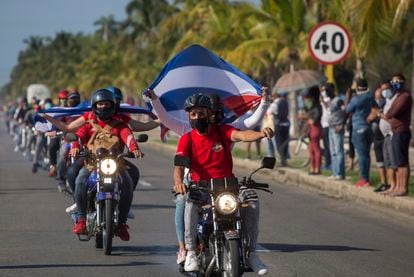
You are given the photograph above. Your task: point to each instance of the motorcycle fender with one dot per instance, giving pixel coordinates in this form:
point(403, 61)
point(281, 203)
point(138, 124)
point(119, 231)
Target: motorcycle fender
point(231, 234)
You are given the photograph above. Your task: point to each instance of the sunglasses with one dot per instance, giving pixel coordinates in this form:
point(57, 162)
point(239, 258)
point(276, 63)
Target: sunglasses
point(392, 82)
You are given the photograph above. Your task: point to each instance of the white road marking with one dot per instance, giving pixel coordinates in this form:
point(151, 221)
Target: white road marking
point(144, 183)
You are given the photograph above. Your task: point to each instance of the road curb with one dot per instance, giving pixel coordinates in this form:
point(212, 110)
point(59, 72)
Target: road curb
point(333, 188)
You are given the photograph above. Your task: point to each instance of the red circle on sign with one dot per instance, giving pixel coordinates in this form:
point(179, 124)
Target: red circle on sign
point(343, 56)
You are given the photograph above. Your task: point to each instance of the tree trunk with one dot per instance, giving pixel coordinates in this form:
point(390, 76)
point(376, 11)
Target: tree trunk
point(359, 70)
point(412, 97)
point(293, 107)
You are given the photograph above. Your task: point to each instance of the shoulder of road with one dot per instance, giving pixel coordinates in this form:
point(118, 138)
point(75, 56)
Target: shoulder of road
point(339, 189)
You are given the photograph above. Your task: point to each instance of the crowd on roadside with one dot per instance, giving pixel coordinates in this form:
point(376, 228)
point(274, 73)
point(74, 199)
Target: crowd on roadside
point(377, 119)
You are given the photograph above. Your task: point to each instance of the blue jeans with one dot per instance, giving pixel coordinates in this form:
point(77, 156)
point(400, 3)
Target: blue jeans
point(362, 139)
point(326, 147)
point(179, 216)
point(124, 201)
point(336, 148)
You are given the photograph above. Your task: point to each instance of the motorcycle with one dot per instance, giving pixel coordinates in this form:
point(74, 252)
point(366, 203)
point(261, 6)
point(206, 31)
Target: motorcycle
point(222, 240)
point(103, 195)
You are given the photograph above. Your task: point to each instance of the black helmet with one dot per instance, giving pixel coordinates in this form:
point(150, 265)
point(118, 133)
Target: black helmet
point(217, 107)
point(118, 96)
point(103, 95)
point(73, 98)
point(198, 100)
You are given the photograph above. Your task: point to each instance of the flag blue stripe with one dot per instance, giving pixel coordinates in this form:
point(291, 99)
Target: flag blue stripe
point(200, 56)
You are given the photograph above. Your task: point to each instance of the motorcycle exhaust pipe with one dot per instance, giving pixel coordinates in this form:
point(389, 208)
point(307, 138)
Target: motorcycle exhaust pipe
point(210, 266)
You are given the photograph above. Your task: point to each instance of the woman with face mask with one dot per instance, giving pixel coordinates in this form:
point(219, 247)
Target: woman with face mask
point(399, 116)
point(360, 107)
point(313, 110)
point(378, 137)
point(327, 94)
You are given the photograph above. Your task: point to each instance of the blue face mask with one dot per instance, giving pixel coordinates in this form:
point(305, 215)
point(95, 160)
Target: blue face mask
point(396, 86)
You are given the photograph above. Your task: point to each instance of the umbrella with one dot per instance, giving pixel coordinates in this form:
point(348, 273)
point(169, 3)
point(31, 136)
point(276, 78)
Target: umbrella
point(298, 80)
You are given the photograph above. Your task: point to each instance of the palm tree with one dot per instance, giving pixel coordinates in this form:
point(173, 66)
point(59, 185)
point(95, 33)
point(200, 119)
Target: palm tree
point(108, 27)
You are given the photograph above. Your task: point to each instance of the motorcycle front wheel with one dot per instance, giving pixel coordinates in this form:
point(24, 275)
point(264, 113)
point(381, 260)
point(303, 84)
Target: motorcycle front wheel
point(231, 259)
point(108, 232)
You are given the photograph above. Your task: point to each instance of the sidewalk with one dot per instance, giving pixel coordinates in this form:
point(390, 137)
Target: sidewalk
point(338, 189)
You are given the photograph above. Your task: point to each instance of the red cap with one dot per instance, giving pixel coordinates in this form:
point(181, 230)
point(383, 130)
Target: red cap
point(63, 94)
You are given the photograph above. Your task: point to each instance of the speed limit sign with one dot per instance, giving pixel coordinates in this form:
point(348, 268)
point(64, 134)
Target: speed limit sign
point(329, 43)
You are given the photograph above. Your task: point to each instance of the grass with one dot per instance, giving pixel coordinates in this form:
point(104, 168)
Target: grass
point(353, 175)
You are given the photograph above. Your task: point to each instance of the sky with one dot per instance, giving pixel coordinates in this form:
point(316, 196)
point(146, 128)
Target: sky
point(20, 19)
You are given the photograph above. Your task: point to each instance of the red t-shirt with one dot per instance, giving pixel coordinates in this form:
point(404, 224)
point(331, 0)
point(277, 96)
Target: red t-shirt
point(121, 130)
point(209, 158)
point(123, 117)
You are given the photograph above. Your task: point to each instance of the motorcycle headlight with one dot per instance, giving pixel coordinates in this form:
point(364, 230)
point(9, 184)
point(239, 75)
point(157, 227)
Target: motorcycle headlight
point(226, 203)
point(108, 166)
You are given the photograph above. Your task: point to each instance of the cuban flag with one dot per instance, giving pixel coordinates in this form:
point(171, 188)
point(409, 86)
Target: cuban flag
point(198, 70)
point(42, 125)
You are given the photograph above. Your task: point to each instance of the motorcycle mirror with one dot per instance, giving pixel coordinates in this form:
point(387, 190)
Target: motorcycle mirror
point(142, 138)
point(268, 162)
point(182, 161)
point(71, 137)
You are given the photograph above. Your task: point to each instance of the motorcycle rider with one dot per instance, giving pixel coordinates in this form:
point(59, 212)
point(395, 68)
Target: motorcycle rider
point(104, 109)
point(73, 100)
point(135, 125)
point(208, 146)
point(54, 143)
point(182, 127)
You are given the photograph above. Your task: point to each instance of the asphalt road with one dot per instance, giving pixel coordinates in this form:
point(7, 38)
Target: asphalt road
point(302, 233)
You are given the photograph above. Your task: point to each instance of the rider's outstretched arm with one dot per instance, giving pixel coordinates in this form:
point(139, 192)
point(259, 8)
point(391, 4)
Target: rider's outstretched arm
point(178, 126)
point(254, 119)
point(257, 116)
point(138, 126)
point(71, 127)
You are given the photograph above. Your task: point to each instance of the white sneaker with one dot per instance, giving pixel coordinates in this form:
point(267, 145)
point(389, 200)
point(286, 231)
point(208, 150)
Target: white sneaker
point(256, 264)
point(71, 209)
point(191, 261)
point(181, 254)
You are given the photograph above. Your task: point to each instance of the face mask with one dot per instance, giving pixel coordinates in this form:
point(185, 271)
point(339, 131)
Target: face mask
point(200, 124)
point(308, 104)
point(380, 102)
point(105, 114)
point(387, 93)
point(48, 105)
point(396, 86)
point(326, 99)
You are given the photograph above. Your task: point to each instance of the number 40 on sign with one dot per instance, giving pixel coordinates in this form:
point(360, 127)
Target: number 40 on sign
point(329, 43)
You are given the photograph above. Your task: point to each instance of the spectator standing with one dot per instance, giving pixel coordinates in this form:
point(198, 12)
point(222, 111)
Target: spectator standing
point(385, 127)
point(256, 143)
point(378, 138)
point(360, 107)
point(280, 111)
point(327, 94)
point(313, 110)
point(349, 93)
point(336, 123)
point(399, 116)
